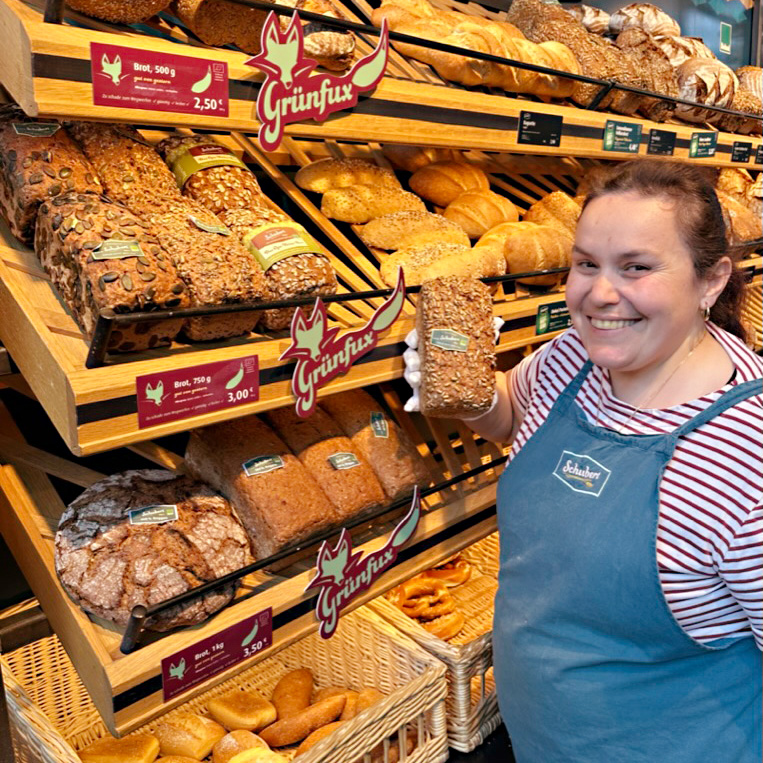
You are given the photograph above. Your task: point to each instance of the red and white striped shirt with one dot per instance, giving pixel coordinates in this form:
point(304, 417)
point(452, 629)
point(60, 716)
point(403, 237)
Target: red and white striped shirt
point(710, 526)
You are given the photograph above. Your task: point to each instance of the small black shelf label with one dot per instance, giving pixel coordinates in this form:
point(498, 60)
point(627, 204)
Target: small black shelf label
point(621, 136)
point(661, 142)
point(740, 152)
point(539, 129)
point(703, 144)
point(759, 154)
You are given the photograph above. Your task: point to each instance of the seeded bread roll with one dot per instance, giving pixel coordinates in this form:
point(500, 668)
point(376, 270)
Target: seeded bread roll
point(385, 446)
point(556, 209)
point(213, 264)
point(138, 748)
point(402, 230)
point(119, 11)
point(342, 472)
point(36, 166)
point(98, 255)
point(411, 158)
point(130, 170)
point(361, 203)
point(443, 182)
point(276, 498)
point(110, 556)
point(454, 321)
point(479, 211)
point(325, 174)
point(189, 734)
point(218, 23)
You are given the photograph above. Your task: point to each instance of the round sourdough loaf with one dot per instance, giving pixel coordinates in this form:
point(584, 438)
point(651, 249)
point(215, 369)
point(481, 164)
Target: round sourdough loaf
point(119, 11)
point(110, 560)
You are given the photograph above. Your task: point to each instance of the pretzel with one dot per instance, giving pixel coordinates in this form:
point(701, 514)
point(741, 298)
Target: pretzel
point(454, 572)
point(445, 627)
point(422, 597)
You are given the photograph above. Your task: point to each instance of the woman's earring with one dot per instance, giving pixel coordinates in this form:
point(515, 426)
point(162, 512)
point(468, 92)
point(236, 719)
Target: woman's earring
point(706, 313)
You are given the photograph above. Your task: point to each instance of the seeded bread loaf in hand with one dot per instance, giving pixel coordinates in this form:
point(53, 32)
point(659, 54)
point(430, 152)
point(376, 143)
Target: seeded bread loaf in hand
point(98, 255)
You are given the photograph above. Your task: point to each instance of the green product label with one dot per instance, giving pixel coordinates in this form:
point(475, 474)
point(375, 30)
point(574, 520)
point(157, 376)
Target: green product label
point(202, 157)
point(703, 144)
point(273, 242)
point(343, 461)
point(114, 249)
point(622, 136)
point(552, 317)
point(379, 424)
point(446, 339)
point(262, 464)
point(221, 229)
point(36, 129)
point(154, 515)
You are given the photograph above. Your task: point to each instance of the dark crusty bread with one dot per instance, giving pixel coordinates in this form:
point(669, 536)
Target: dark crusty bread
point(393, 457)
point(99, 255)
point(108, 564)
point(277, 507)
point(35, 167)
point(456, 382)
point(349, 482)
point(120, 11)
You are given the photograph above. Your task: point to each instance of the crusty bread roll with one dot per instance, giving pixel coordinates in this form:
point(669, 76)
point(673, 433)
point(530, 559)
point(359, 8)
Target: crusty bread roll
point(140, 748)
point(119, 11)
point(679, 49)
point(744, 101)
point(292, 692)
point(411, 158)
point(528, 247)
point(295, 728)
point(259, 755)
point(442, 182)
point(234, 743)
point(423, 263)
point(242, 710)
point(323, 175)
point(595, 20)
point(646, 16)
point(368, 697)
point(751, 79)
point(360, 203)
point(176, 759)
point(321, 733)
point(479, 211)
point(401, 230)
point(556, 209)
point(734, 181)
point(189, 734)
point(754, 197)
point(707, 81)
point(742, 225)
point(218, 23)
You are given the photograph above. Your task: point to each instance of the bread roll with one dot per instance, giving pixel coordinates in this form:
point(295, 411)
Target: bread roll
point(321, 733)
point(295, 728)
point(706, 81)
point(176, 759)
point(242, 710)
point(744, 101)
point(442, 182)
point(139, 748)
point(402, 230)
point(751, 79)
point(234, 743)
point(119, 11)
point(324, 174)
point(646, 16)
point(360, 203)
point(734, 181)
point(528, 247)
point(593, 19)
point(292, 692)
point(478, 211)
point(189, 734)
point(754, 197)
point(368, 697)
point(411, 158)
point(741, 224)
point(557, 209)
point(259, 755)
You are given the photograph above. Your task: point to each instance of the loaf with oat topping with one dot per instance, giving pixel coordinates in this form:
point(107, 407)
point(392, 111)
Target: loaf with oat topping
point(38, 161)
point(111, 557)
point(99, 255)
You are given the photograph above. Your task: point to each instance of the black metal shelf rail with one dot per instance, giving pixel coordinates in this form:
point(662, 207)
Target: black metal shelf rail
point(54, 12)
point(140, 614)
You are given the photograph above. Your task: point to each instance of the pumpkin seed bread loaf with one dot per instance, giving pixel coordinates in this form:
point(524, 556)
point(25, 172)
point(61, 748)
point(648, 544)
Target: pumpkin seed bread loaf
point(99, 255)
point(274, 495)
point(142, 537)
point(454, 321)
point(342, 472)
point(38, 161)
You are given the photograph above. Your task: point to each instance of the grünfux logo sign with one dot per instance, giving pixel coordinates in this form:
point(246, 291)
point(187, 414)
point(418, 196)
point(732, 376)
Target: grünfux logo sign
point(581, 473)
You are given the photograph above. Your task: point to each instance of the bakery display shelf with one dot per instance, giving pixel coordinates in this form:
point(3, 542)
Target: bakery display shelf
point(46, 69)
point(127, 688)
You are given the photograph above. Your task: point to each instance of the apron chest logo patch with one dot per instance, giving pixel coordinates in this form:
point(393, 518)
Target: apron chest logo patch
point(582, 474)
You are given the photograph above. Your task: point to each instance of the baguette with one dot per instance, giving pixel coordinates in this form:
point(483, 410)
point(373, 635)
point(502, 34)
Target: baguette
point(326, 174)
point(442, 182)
point(479, 211)
point(402, 230)
point(360, 203)
point(295, 728)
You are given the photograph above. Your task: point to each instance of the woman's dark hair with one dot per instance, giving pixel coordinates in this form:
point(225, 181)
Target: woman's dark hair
point(699, 217)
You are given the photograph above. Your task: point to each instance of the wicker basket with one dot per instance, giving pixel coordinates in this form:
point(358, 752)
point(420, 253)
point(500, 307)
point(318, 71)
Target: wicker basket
point(52, 715)
point(472, 704)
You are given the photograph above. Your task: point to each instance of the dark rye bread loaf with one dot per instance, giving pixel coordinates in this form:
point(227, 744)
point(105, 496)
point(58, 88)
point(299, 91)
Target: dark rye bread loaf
point(119, 11)
point(110, 561)
point(337, 466)
point(274, 495)
point(38, 160)
point(393, 457)
point(99, 255)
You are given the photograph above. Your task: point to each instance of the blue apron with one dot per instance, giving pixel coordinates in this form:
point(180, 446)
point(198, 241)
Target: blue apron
point(590, 664)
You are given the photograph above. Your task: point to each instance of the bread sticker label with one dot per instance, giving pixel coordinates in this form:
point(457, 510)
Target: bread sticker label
point(36, 129)
point(703, 144)
point(322, 353)
point(551, 317)
point(212, 655)
point(273, 242)
point(293, 92)
point(342, 461)
point(343, 574)
point(262, 465)
point(581, 473)
point(201, 225)
point(447, 339)
point(202, 157)
point(114, 249)
point(622, 136)
point(154, 515)
point(379, 424)
point(741, 151)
